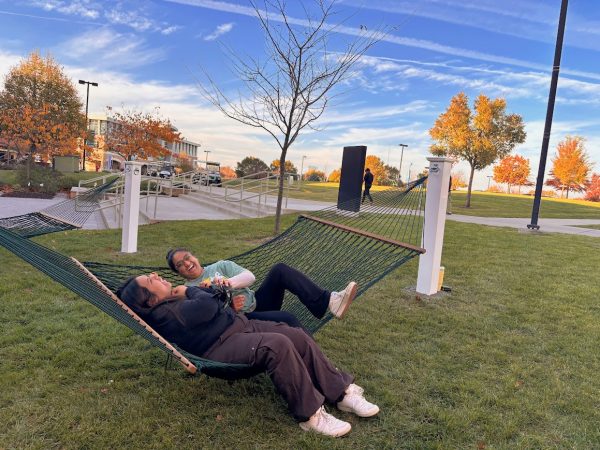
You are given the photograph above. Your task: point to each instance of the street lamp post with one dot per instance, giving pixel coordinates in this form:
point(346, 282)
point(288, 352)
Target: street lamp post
point(489, 180)
point(206, 161)
point(87, 99)
point(402, 146)
point(302, 168)
point(549, 114)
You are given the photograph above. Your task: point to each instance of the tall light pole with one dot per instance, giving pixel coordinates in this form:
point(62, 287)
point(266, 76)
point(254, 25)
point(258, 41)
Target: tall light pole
point(549, 113)
point(302, 167)
point(206, 161)
point(403, 146)
point(489, 180)
point(87, 99)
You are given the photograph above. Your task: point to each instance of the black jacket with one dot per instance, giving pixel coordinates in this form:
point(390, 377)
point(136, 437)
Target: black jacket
point(368, 179)
point(194, 323)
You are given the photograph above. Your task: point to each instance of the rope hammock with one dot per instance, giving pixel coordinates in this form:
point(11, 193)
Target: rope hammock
point(66, 215)
point(331, 246)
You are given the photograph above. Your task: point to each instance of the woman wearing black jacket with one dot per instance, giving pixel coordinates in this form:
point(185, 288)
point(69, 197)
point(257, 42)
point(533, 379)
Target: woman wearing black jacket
point(198, 321)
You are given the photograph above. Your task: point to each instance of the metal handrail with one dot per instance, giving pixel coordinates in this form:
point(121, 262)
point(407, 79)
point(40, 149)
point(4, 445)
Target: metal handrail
point(102, 178)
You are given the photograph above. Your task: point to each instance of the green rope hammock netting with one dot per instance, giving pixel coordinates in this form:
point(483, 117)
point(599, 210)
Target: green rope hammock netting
point(66, 215)
point(331, 246)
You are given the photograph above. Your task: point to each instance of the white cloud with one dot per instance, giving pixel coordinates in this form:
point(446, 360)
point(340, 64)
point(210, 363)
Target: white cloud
point(115, 13)
point(219, 31)
point(105, 48)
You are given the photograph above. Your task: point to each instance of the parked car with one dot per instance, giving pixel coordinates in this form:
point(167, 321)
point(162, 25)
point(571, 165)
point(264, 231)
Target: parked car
point(165, 173)
point(207, 178)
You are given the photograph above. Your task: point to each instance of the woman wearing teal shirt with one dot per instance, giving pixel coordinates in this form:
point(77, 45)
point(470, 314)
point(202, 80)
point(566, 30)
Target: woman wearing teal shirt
point(268, 298)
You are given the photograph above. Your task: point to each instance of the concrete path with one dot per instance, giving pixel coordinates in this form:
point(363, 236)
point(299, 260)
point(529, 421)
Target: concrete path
point(178, 208)
point(546, 225)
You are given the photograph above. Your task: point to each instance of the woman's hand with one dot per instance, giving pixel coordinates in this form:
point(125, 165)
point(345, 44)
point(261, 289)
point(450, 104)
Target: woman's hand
point(179, 291)
point(237, 302)
point(221, 281)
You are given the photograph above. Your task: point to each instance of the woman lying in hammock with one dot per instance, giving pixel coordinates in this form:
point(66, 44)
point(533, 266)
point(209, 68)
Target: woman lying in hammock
point(268, 298)
point(198, 321)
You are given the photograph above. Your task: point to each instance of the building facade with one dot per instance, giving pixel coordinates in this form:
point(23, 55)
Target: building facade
point(100, 126)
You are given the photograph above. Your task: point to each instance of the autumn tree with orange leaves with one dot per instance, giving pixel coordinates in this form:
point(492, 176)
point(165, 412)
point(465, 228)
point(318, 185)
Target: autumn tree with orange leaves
point(140, 135)
point(570, 167)
point(289, 167)
point(513, 170)
point(592, 192)
point(377, 167)
point(40, 111)
point(479, 138)
point(228, 172)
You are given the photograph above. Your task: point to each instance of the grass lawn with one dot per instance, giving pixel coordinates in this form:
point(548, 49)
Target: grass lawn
point(503, 205)
point(10, 176)
point(482, 203)
point(508, 360)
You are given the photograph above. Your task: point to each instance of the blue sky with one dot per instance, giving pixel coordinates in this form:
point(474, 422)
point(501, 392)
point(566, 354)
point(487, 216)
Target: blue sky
point(145, 54)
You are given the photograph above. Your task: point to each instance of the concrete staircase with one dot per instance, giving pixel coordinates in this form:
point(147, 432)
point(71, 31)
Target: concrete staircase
point(239, 209)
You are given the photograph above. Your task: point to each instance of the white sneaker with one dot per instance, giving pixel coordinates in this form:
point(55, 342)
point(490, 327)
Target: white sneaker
point(339, 302)
point(324, 423)
point(354, 402)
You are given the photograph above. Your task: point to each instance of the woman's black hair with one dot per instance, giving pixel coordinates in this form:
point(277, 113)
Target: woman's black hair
point(135, 296)
point(170, 255)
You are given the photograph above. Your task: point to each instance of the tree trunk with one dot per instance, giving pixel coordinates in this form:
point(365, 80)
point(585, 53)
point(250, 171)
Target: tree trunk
point(568, 192)
point(468, 202)
point(280, 191)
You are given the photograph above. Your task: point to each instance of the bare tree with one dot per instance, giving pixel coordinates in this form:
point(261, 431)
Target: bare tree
point(291, 88)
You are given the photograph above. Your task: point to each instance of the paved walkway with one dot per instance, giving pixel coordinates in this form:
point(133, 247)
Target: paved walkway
point(178, 208)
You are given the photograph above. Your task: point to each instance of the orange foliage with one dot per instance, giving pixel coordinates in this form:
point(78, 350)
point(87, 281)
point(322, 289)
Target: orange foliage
point(458, 181)
point(334, 176)
point(570, 166)
point(593, 189)
point(228, 172)
point(140, 135)
point(289, 166)
point(314, 175)
point(377, 167)
point(513, 170)
point(478, 138)
point(40, 110)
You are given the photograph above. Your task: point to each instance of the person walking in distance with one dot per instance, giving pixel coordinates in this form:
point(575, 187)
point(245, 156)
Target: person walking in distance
point(368, 179)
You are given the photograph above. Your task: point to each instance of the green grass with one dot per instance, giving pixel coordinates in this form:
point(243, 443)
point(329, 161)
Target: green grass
point(508, 360)
point(503, 205)
point(8, 177)
point(482, 203)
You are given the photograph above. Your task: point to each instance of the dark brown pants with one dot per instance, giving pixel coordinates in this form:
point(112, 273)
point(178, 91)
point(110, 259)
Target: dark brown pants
point(300, 371)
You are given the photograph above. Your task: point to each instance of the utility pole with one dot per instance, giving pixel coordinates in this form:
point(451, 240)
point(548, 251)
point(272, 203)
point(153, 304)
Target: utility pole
point(549, 113)
point(87, 98)
point(206, 161)
point(402, 146)
point(302, 168)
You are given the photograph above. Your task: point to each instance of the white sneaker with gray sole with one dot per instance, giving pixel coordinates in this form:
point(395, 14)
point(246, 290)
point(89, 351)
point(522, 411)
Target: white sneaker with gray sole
point(339, 302)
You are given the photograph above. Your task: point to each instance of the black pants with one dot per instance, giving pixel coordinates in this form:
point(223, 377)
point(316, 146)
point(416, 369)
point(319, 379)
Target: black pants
point(281, 277)
point(301, 373)
point(367, 193)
